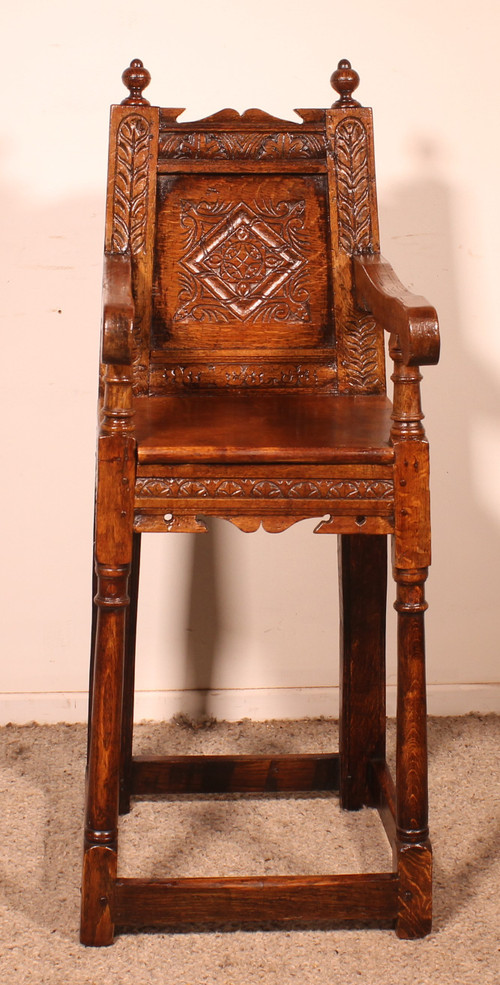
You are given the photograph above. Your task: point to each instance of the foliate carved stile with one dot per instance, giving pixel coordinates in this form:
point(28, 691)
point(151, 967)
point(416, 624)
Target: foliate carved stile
point(130, 203)
point(361, 353)
point(360, 350)
point(130, 214)
point(353, 201)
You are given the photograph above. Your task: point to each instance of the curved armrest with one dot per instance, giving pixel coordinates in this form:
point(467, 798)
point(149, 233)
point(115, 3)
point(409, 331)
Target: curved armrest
point(407, 315)
point(118, 310)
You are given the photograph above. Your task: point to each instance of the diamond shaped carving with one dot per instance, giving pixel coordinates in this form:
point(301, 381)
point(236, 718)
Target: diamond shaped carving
point(243, 262)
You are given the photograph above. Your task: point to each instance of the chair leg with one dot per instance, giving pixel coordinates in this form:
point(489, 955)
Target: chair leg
point(363, 594)
point(129, 678)
point(113, 555)
point(101, 817)
point(414, 856)
point(93, 631)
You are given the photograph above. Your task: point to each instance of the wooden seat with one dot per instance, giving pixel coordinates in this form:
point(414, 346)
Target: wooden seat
point(263, 427)
point(243, 377)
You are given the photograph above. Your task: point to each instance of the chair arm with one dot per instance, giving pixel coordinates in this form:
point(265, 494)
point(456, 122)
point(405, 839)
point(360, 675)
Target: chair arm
point(118, 310)
point(406, 315)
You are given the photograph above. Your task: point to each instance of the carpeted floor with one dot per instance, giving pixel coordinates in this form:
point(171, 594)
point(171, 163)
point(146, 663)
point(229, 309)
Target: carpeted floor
point(41, 794)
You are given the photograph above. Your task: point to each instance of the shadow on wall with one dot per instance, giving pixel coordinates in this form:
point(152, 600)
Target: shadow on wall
point(418, 236)
point(51, 258)
point(203, 617)
point(261, 616)
point(419, 222)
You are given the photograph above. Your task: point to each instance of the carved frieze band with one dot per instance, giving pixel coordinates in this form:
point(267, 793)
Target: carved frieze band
point(353, 187)
point(253, 376)
point(130, 201)
point(241, 146)
point(362, 489)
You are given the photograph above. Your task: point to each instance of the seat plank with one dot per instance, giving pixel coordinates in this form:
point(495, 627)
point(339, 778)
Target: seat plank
point(263, 428)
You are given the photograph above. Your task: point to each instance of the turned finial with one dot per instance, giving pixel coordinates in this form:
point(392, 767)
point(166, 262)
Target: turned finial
point(345, 80)
point(136, 78)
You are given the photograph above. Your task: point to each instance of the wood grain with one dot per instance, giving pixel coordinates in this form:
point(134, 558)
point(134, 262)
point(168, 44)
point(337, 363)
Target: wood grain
point(243, 378)
point(263, 427)
point(287, 899)
point(231, 774)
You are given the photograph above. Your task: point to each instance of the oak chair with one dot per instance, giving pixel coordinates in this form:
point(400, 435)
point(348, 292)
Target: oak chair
point(243, 377)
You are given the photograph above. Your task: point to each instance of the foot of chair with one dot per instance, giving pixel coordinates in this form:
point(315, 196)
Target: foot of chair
point(415, 890)
point(99, 876)
point(401, 897)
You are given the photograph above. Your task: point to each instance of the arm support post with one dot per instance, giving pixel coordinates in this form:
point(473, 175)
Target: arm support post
point(401, 313)
point(118, 310)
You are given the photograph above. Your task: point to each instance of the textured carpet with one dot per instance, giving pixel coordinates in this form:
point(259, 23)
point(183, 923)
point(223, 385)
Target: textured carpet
point(41, 793)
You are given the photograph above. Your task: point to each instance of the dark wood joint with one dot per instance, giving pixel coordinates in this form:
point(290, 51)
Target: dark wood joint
point(112, 586)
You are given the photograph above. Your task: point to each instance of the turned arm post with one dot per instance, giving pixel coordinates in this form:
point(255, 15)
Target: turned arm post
point(413, 325)
point(116, 345)
point(411, 558)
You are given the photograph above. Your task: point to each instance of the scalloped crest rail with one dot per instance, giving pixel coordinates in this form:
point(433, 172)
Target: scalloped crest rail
point(243, 378)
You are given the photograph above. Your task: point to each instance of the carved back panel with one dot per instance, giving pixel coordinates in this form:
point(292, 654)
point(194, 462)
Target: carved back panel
point(241, 231)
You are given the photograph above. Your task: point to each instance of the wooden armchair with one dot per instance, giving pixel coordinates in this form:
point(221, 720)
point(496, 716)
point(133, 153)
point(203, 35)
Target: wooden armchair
point(244, 377)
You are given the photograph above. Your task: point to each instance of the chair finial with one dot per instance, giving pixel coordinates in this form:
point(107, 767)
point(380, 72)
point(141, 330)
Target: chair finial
point(345, 80)
point(136, 78)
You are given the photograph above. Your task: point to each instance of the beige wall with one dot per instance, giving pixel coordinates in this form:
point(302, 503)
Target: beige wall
point(263, 641)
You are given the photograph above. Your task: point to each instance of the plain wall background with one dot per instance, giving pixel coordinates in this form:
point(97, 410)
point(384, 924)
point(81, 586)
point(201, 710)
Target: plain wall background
point(236, 624)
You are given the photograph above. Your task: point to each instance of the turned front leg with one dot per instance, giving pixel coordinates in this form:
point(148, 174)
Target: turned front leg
point(412, 555)
point(414, 858)
point(129, 678)
point(113, 554)
point(101, 819)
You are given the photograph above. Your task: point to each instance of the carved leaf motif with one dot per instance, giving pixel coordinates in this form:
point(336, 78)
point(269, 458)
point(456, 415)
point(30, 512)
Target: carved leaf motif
point(131, 185)
point(234, 146)
point(264, 488)
point(379, 490)
point(360, 343)
point(230, 488)
point(191, 488)
point(154, 488)
point(304, 490)
point(353, 203)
